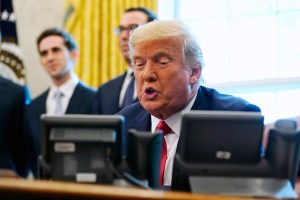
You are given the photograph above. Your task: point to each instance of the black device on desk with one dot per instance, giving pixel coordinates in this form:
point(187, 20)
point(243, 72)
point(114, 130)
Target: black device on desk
point(211, 149)
point(143, 156)
point(81, 148)
point(211, 142)
point(221, 137)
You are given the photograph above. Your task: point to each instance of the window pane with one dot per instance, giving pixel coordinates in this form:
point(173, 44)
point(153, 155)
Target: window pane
point(288, 103)
point(264, 100)
point(288, 5)
point(199, 9)
point(253, 7)
point(253, 48)
point(214, 48)
point(289, 44)
point(246, 46)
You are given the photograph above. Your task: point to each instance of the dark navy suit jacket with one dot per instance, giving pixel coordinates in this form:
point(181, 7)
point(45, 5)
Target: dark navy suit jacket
point(108, 95)
point(136, 117)
point(81, 102)
point(13, 141)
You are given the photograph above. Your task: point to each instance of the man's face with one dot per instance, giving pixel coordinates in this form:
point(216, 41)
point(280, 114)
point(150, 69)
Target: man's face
point(55, 57)
point(128, 20)
point(164, 85)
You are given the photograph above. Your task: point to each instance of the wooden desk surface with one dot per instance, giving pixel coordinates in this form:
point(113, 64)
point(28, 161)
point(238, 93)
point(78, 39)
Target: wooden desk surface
point(11, 188)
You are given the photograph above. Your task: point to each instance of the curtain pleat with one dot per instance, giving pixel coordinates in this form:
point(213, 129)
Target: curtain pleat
point(91, 23)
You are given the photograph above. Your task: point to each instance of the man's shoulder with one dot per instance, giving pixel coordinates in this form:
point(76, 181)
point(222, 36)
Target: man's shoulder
point(222, 101)
point(132, 109)
point(113, 83)
point(85, 88)
point(136, 117)
point(134, 113)
point(37, 105)
point(10, 84)
point(40, 98)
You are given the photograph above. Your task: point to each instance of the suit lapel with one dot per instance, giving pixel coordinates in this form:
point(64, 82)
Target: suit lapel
point(139, 119)
point(40, 105)
point(116, 93)
point(143, 121)
point(75, 100)
point(44, 99)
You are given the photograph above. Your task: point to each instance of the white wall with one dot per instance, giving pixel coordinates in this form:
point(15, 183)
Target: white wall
point(33, 16)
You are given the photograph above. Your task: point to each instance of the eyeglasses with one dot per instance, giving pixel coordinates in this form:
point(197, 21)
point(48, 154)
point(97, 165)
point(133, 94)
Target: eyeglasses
point(120, 29)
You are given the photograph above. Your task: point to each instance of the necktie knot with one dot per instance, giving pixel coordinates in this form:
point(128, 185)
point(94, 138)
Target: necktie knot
point(58, 94)
point(163, 126)
point(58, 101)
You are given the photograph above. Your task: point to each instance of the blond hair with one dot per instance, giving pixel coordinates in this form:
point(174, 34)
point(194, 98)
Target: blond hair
point(161, 29)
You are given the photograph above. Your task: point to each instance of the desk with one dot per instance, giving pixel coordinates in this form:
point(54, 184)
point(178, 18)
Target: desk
point(11, 188)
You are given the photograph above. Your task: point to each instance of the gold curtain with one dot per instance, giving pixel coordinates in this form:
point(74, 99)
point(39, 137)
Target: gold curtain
point(91, 23)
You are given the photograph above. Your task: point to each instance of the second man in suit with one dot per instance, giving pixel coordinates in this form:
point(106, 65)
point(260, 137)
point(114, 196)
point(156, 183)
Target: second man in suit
point(67, 94)
point(113, 96)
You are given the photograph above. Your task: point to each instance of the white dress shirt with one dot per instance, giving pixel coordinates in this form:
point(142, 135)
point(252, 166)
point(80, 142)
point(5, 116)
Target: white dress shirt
point(66, 89)
point(174, 122)
point(125, 85)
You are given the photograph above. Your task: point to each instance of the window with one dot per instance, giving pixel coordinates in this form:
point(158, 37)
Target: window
point(251, 48)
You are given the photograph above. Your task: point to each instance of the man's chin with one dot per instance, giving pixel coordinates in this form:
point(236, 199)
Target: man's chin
point(154, 108)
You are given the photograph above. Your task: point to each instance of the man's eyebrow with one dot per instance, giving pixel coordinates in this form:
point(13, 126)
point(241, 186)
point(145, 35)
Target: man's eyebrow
point(129, 25)
point(155, 56)
point(52, 49)
point(162, 54)
point(55, 48)
point(138, 57)
point(43, 52)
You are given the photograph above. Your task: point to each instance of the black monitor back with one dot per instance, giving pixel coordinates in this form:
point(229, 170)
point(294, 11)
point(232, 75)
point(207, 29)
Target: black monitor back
point(218, 137)
point(280, 161)
point(82, 148)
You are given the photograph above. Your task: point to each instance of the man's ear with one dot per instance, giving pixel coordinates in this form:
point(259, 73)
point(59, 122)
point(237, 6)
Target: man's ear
point(195, 74)
point(74, 54)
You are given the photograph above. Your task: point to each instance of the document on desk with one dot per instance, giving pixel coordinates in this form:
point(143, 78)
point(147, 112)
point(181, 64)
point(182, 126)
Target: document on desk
point(240, 186)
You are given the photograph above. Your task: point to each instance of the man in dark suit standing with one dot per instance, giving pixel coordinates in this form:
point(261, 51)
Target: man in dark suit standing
point(13, 141)
point(119, 92)
point(167, 63)
point(67, 94)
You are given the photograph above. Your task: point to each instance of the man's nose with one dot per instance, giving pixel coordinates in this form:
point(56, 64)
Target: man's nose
point(124, 34)
point(50, 56)
point(149, 73)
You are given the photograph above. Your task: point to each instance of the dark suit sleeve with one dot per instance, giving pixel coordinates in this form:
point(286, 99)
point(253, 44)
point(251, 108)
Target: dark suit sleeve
point(18, 138)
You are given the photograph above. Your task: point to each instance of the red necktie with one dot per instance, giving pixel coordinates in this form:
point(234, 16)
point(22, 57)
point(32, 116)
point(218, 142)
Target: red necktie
point(162, 126)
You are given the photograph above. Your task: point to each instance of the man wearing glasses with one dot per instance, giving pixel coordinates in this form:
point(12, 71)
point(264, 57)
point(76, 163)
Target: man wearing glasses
point(119, 92)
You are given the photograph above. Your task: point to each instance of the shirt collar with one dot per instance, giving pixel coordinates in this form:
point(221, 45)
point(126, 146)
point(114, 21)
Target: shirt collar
point(67, 88)
point(173, 121)
point(129, 72)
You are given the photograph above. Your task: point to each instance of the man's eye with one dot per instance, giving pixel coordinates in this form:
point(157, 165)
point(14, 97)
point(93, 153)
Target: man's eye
point(55, 50)
point(163, 61)
point(43, 53)
point(139, 63)
point(133, 26)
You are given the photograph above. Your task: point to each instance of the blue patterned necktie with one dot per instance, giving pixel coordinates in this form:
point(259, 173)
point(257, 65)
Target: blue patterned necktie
point(128, 98)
